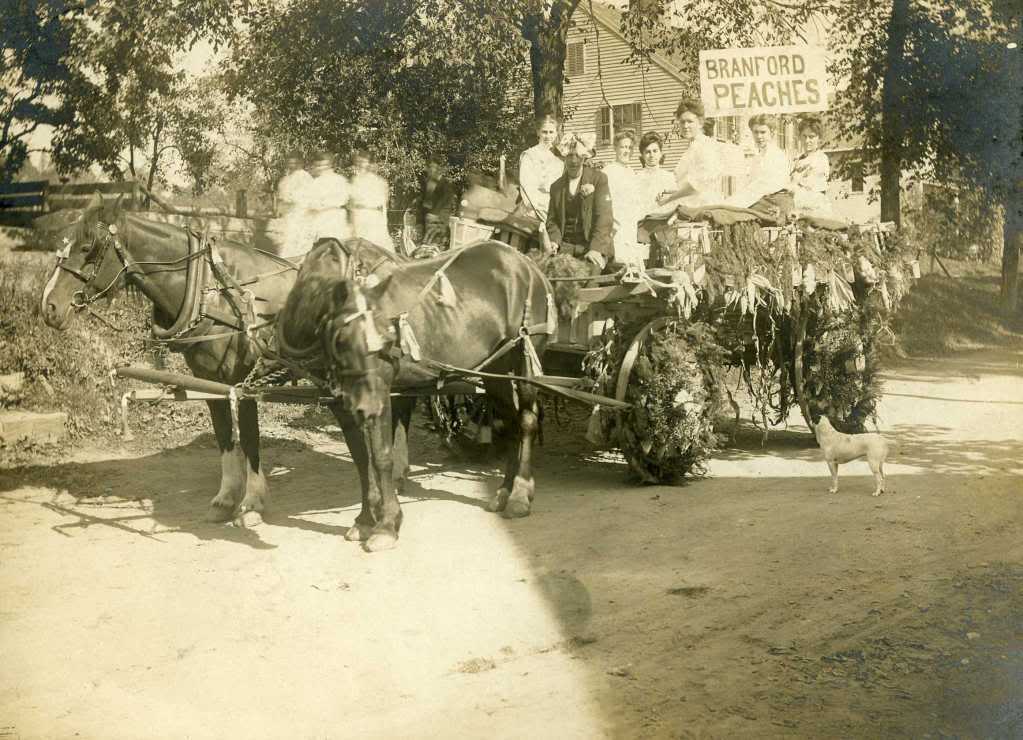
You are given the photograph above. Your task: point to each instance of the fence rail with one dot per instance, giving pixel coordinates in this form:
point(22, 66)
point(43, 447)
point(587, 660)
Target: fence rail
point(22, 202)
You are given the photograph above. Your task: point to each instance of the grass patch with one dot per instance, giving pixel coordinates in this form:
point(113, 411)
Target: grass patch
point(941, 315)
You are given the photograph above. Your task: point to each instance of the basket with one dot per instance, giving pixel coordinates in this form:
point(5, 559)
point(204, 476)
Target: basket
point(464, 231)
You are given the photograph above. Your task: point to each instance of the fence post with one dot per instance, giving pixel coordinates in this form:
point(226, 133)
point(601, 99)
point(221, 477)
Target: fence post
point(241, 204)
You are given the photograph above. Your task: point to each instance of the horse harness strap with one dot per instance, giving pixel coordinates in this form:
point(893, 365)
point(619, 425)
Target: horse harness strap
point(408, 345)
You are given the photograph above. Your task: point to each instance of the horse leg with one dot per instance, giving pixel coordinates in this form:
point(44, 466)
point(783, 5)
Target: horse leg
point(384, 499)
point(401, 418)
point(363, 525)
point(257, 493)
point(232, 465)
point(504, 408)
point(523, 486)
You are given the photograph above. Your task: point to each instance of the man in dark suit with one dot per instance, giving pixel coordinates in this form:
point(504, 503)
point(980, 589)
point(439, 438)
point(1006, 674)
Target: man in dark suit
point(580, 218)
point(436, 202)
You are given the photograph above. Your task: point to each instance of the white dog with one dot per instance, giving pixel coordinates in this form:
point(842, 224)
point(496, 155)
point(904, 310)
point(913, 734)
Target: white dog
point(842, 448)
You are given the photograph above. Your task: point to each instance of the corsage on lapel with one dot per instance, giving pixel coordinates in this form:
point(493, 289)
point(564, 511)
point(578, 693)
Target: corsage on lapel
point(586, 189)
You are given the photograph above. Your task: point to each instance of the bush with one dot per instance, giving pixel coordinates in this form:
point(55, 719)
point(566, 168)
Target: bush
point(71, 371)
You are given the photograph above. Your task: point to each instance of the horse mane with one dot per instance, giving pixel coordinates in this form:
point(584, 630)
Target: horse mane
point(321, 283)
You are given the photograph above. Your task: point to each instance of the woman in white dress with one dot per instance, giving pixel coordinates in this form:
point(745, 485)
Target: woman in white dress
point(367, 202)
point(625, 204)
point(810, 172)
point(768, 168)
point(295, 223)
point(539, 166)
point(652, 179)
point(328, 199)
point(699, 170)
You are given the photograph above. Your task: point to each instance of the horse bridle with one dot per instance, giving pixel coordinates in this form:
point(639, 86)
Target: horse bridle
point(104, 236)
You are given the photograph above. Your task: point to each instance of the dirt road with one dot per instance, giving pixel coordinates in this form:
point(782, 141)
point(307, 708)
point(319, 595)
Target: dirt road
point(747, 604)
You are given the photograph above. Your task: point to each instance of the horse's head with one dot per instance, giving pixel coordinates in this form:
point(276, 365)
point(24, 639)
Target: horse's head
point(350, 339)
point(311, 301)
point(88, 264)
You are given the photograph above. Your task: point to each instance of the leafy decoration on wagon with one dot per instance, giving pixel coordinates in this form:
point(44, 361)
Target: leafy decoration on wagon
point(669, 432)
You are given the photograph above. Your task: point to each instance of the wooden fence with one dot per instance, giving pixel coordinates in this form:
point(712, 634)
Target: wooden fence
point(22, 202)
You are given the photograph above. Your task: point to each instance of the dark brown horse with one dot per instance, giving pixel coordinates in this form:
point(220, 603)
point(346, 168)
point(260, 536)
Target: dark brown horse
point(240, 289)
point(483, 311)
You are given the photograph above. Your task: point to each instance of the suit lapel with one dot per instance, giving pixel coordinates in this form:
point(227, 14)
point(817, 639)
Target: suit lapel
point(562, 204)
point(586, 209)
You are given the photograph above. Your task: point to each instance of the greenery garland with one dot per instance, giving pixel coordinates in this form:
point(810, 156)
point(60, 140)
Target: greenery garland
point(669, 431)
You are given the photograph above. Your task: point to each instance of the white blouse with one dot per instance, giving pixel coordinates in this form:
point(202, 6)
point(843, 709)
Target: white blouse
point(623, 184)
point(652, 181)
point(539, 167)
point(701, 167)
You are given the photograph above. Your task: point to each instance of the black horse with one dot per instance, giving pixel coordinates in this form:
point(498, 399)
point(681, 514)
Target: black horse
point(483, 311)
point(244, 289)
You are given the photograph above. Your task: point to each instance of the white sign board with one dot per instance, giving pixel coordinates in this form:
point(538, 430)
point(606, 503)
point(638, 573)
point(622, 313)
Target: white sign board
point(771, 79)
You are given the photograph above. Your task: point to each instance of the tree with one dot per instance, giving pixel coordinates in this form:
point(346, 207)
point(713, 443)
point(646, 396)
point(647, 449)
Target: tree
point(545, 26)
point(131, 106)
point(402, 77)
point(35, 35)
point(937, 88)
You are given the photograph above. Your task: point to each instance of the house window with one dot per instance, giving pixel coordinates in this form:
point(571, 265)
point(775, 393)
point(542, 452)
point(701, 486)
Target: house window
point(725, 128)
point(780, 134)
point(575, 59)
point(856, 170)
point(629, 115)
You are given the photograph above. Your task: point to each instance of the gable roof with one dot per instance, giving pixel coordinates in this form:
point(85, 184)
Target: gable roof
point(611, 18)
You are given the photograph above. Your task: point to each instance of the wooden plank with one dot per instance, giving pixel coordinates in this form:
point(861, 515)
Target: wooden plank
point(612, 293)
point(23, 200)
point(15, 188)
point(104, 188)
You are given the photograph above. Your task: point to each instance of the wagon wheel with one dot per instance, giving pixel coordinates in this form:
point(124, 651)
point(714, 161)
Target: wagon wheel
point(668, 432)
point(848, 405)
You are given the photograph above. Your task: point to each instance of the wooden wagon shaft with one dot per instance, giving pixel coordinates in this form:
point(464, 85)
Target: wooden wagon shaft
point(180, 387)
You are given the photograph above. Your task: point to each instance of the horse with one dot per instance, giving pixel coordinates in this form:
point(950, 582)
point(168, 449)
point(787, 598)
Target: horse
point(221, 337)
point(484, 310)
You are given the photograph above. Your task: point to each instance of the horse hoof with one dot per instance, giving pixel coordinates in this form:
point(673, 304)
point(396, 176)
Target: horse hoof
point(219, 514)
point(248, 519)
point(516, 509)
point(381, 541)
point(358, 533)
point(499, 501)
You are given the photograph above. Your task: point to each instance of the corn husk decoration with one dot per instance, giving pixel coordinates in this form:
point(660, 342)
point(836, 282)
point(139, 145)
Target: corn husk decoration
point(840, 295)
point(885, 295)
point(684, 295)
point(809, 279)
point(552, 316)
point(797, 276)
point(868, 271)
point(914, 266)
point(848, 272)
point(374, 342)
point(858, 362)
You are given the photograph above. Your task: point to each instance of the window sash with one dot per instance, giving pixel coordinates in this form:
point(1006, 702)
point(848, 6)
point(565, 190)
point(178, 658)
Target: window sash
point(627, 115)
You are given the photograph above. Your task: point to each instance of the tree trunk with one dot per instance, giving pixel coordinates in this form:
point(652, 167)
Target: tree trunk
point(546, 37)
point(1012, 243)
point(892, 99)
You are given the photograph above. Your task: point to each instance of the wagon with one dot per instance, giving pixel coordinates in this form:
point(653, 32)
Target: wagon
point(798, 308)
